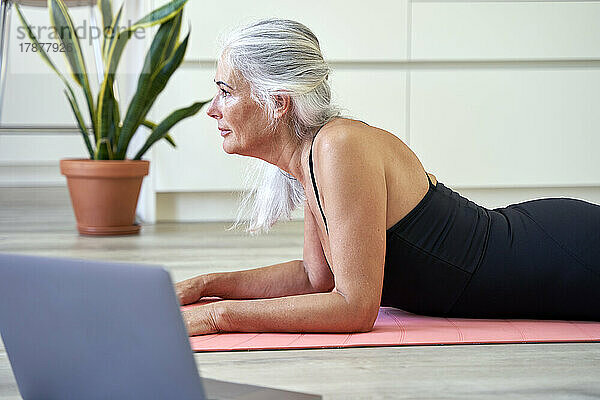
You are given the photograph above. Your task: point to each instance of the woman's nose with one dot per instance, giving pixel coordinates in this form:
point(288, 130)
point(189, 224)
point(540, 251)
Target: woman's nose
point(213, 110)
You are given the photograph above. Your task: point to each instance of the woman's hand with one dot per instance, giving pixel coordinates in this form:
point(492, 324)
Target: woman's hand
point(190, 290)
point(200, 320)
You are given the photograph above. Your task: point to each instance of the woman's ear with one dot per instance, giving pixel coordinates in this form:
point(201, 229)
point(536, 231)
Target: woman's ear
point(283, 103)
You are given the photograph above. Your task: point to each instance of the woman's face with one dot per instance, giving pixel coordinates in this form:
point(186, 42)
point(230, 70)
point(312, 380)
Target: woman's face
point(241, 121)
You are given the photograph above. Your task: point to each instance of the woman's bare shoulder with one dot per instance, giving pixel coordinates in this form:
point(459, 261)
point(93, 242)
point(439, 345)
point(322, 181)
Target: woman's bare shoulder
point(345, 149)
point(343, 132)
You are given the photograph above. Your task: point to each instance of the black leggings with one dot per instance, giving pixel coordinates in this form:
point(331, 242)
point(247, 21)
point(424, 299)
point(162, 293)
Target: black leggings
point(542, 261)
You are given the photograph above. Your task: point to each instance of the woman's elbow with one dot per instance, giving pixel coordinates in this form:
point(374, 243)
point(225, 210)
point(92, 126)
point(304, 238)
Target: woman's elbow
point(362, 329)
point(364, 320)
point(362, 311)
point(367, 325)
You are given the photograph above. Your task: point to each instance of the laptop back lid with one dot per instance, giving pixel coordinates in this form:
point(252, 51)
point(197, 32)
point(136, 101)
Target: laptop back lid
point(81, 329)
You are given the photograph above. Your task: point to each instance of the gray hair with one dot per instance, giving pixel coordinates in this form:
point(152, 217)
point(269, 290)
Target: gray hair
point(279, 56)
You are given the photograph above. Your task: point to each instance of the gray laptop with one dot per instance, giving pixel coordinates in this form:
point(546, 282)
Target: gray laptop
point(81, 329)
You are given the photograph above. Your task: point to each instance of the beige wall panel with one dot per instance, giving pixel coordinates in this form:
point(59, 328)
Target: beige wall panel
point(346, 29)
point(39, 100)
point(33, 160)
point(485, 128)
point(40, 149)
point(207, 206)
point(505, 30)
point(502, 197)
point(31, 176)
point(375, 96)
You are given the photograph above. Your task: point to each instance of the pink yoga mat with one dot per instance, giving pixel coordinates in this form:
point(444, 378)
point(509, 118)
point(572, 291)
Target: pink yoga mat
point(395, 327)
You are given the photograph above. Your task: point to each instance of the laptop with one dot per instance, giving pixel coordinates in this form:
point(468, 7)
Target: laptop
point(82, 329)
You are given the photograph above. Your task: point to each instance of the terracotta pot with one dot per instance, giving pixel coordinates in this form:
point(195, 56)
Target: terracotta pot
point(104, 194)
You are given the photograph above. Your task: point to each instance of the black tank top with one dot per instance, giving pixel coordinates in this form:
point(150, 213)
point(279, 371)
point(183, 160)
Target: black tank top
point(431, 251)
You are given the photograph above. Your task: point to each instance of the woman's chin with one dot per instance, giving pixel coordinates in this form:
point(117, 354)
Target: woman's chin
point(227, 147)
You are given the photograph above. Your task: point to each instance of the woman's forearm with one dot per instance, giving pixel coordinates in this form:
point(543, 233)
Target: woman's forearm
point(284, 279)
point(316, 312)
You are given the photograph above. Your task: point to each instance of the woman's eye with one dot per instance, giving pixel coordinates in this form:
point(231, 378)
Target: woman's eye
point(225, 93)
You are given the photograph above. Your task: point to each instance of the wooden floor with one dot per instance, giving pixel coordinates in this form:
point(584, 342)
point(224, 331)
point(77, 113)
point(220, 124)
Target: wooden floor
point(41, 223)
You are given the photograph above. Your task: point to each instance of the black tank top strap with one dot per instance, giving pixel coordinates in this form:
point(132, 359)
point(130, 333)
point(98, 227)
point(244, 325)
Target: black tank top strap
point(312, 176)
point(429, 179)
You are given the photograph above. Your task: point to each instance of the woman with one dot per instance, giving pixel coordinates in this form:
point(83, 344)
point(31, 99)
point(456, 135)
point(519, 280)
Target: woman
point(378, 229)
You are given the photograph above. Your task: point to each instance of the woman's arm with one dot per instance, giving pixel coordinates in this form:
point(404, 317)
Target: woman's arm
point(283, 279)
point(317, 312)
point(315, 263)
point(352, 183)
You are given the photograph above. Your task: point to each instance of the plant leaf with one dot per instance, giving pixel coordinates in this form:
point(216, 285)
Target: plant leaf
point(163, 74)
point(157, 54)
point(165, 13)
point(63, 25)
point(105, 110)
point(64, 28)
point(157, 16)
point(80, 123)
point(105, 7)
point(116, 121)
point(152, 125)
point(162, 13)
point(170, 47)
point(148, 90)
point(159, 49)
point(162, 128)
point(111, 35)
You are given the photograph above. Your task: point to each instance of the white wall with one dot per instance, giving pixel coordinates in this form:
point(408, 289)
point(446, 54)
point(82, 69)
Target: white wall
point(499, 99)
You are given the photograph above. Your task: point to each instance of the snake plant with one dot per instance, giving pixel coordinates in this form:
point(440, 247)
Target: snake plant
point(111, 135)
